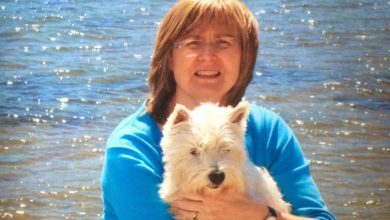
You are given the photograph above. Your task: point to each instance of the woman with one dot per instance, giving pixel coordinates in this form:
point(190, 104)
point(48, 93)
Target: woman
point(205, 51)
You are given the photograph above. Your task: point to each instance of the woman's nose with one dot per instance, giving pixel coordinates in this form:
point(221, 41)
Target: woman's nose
point(208, 51)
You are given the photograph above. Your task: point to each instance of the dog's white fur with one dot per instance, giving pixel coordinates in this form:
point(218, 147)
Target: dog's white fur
point(208, 138)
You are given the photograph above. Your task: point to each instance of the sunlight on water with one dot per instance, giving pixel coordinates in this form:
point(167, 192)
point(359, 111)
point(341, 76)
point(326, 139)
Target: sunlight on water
point(70, 71)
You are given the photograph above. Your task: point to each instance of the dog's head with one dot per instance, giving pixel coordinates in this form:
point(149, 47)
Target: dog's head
point(204, 148)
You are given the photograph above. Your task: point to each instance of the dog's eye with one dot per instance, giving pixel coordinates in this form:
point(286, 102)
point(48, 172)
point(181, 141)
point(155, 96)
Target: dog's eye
point(227, 150)
point(194, 152)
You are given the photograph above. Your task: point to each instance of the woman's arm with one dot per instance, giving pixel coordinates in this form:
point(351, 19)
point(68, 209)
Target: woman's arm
point(281, 153)
point(130, 187)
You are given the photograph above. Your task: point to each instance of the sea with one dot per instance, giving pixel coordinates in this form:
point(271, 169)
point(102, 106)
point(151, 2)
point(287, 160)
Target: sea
point(71, 70)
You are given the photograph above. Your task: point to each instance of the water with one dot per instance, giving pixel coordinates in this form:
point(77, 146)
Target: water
point(71, 70)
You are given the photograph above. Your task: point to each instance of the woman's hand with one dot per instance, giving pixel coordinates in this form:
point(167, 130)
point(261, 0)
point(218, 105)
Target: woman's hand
point(224, 207)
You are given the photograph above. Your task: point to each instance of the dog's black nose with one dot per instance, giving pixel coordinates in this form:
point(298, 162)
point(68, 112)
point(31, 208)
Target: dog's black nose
point(217, 177)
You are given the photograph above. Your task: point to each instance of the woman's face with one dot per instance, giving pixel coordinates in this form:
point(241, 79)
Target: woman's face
point(206, 65)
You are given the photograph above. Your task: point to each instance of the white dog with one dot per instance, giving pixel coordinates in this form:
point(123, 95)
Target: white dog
point(204, 152)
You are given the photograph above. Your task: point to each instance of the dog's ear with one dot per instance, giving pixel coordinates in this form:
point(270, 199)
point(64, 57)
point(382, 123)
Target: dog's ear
point(180, 114)
point(240, 113)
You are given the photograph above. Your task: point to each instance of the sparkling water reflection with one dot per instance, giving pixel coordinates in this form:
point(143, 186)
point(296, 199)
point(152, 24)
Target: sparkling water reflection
point(70, 71)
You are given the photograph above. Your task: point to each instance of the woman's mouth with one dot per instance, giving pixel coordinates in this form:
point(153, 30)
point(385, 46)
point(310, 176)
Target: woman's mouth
point(207, 74)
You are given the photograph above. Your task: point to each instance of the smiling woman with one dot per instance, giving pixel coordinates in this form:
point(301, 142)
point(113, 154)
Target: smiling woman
point(205, 51)
point(71, 70)
point(228, 27)
point(207, 67)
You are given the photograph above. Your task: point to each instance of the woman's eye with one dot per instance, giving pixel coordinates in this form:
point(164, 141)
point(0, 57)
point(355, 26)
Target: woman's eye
point(222, 44)
point(193, 44)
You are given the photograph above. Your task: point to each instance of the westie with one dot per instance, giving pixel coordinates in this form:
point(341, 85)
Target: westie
point(204, 152)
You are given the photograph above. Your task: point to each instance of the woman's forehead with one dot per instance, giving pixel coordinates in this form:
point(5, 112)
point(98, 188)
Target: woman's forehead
point(216, 28)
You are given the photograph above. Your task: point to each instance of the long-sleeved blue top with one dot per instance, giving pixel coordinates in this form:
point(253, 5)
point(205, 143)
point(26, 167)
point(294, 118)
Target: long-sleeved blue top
point(133, 167)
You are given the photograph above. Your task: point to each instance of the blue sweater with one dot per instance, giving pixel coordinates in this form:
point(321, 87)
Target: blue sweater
point(133, 167)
